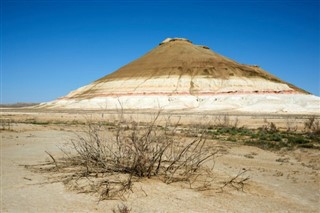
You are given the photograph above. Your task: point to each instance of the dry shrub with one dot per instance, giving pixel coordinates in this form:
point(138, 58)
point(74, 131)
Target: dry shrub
point(269, 127)
point(109, 160)
point(225, 121)
point(312, 125)
point(291, 124)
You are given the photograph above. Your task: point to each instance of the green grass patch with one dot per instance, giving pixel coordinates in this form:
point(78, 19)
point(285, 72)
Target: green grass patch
point(265, 138)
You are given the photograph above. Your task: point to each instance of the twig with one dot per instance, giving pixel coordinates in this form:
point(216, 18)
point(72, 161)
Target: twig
point(27, 178)
point(54, 160)
point(233, 181)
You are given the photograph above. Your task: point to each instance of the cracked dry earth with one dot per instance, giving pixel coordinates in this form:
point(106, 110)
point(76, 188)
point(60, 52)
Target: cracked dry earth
point(284, 181)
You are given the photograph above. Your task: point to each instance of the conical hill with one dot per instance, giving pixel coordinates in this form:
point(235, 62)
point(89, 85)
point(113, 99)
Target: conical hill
point(181, 57)
point(174, 75)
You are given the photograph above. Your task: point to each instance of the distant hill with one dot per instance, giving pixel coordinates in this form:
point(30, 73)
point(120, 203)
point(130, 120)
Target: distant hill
point(178, 74)
point(18, 105)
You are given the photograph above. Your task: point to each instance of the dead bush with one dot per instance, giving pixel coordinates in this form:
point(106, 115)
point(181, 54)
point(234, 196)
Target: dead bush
point(109, 160)
point(269, 127)
point(291, 124)
point(225, 121)
point(312, 125)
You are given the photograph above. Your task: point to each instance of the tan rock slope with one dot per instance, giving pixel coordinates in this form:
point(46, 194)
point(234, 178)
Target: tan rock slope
point(180, 75)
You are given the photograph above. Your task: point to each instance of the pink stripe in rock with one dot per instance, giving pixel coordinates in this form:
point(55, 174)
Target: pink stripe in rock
point(184, 93)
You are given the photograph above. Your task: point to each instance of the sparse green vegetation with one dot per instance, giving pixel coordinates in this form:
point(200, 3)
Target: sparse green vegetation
point(266, 137)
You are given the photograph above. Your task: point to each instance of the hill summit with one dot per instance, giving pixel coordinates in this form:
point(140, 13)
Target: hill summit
point(178, 74)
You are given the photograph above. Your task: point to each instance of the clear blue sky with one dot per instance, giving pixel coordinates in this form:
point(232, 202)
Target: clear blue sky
point(49, 48)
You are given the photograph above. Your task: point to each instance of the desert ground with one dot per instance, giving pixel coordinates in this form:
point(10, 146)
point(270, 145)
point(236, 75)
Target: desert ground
point(280, 180)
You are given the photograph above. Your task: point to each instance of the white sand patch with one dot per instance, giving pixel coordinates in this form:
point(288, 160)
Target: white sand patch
point(264, 103)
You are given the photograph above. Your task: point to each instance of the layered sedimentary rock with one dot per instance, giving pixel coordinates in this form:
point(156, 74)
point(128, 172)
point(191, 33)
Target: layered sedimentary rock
point(180, 75)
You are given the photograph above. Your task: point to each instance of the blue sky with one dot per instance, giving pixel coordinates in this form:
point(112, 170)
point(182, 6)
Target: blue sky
point(51, 47)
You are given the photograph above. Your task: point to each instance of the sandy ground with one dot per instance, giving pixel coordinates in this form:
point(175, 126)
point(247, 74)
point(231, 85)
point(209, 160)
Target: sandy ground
point(279, 181)
point(248, 120)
